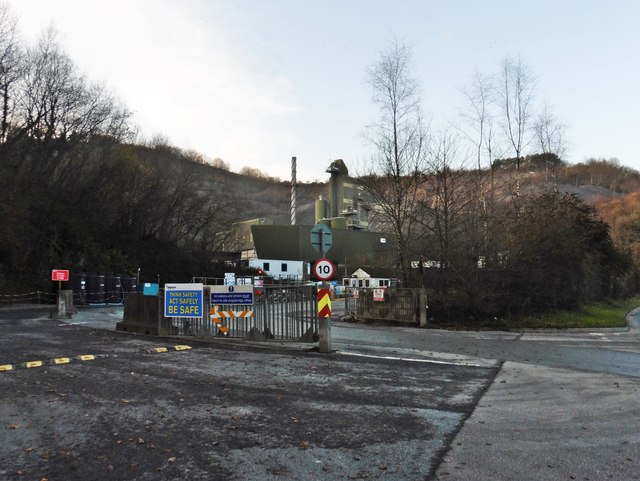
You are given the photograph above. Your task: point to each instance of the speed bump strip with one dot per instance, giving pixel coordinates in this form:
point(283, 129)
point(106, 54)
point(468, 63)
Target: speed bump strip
point(52, 362)
point(167, 349)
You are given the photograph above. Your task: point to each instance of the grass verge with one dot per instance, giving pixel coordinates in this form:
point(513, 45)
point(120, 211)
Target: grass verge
point(603, 314)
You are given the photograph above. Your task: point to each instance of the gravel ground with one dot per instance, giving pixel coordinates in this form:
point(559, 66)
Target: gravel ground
point(218, 411)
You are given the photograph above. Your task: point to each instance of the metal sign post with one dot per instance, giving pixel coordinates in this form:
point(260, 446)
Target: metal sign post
point(60, 275)
point(324, 269)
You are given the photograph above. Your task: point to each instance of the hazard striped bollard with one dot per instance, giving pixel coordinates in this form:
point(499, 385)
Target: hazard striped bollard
point(324, 303)
point(324, 315)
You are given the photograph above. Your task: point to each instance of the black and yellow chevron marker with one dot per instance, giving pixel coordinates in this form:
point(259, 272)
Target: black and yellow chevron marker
point(167, 349)
point(52, 362)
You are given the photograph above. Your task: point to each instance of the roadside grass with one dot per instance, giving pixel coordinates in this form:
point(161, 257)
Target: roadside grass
point(603, 314)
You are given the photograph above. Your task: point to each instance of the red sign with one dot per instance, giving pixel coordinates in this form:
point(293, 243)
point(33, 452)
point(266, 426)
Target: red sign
point(59, 275)
point(324, 302)
point(324, 269)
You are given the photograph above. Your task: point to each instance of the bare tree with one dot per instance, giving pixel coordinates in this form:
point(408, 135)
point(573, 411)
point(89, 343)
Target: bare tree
point(550, 133)
point(551, 139)
point(450, 215)
point(10, 66)
point(399, 139)
point(479, 95)
point(516, 94)
point(57, 103)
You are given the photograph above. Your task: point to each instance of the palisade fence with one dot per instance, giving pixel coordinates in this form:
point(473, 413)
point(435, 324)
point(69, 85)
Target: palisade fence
point(396, 304)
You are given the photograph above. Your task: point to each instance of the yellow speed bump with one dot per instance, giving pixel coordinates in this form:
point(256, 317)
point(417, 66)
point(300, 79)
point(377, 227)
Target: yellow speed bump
point(52, 362)
point(170, 348)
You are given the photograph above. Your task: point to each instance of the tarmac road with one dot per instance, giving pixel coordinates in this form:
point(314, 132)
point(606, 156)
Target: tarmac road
point(220, 411)
point(610, 351)
point(565, 405)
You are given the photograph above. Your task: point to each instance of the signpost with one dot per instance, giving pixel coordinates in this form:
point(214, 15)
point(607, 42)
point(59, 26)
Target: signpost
point(65, 298)
point(59, 275)
point(324, 269)
point(150, 289)
point(378, 295)
point(183, 300)
point(232, 295)
point(240, 295)
point(321, 238)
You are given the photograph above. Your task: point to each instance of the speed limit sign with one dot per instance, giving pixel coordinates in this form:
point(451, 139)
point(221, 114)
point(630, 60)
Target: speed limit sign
point(324, 269)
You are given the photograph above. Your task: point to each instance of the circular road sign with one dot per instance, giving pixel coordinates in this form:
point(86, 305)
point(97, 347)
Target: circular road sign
point(324, 269)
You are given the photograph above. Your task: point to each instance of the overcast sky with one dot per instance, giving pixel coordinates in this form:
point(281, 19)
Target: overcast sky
point(256, 82)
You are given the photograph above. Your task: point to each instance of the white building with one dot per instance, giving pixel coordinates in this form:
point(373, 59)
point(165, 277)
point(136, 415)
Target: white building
point(279, 269)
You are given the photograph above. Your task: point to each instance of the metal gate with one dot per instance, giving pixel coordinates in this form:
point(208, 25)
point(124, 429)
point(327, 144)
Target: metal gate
point(397, 304)
point(279, 312)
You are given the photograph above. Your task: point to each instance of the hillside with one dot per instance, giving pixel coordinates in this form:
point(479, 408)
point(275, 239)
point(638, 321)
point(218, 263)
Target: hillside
point(254, 197)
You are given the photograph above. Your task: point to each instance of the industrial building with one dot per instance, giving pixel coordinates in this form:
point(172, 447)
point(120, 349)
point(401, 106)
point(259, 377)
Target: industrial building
point(263, 244)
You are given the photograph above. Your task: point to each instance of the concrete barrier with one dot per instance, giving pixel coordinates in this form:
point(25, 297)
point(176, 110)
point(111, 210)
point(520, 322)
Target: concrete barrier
point(142, 315)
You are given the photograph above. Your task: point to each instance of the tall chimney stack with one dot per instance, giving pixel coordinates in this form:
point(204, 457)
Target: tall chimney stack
point(294, 200)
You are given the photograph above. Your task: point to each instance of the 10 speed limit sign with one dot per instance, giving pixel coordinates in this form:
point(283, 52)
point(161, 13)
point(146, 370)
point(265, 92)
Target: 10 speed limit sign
point(324, 269)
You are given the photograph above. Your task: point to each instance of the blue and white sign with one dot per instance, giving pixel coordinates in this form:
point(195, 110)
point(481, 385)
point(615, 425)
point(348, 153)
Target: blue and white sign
point(231, 295)
point(150, 289)
point(183, 300)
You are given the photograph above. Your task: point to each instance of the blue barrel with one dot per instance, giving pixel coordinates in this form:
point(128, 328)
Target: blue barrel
point(78, 283)
point(113, 290)
point(95, 288)
point(129, 285)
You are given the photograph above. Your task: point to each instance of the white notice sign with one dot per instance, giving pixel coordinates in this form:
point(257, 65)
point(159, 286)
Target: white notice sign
point(378, 295)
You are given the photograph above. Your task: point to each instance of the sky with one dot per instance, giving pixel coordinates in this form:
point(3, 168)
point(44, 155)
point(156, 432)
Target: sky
point(255, 82)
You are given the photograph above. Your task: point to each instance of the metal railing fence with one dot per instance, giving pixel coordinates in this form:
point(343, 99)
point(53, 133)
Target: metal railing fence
point(399, 304)
point(279, 312)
